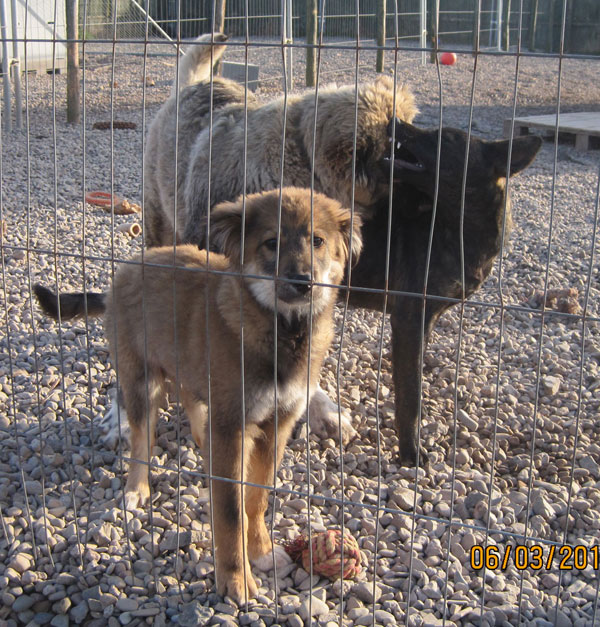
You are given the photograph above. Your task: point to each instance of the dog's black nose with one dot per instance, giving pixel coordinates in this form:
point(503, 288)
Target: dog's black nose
point(300, 282)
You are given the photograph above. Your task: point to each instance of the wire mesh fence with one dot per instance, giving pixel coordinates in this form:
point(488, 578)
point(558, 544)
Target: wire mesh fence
point(341, 20)
point(499, 522)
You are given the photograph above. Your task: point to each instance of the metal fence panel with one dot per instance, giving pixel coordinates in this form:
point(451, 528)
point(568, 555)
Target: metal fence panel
point(500, 526)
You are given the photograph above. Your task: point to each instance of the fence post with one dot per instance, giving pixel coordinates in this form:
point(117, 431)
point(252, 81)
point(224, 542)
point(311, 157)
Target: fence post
point(73, 112)
point(506, 25)
point(311, 41)
point(380, 28)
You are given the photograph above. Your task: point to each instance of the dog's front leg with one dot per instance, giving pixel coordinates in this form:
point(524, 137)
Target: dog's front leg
point(265, 460)
point(234, 577)
point(407, 365)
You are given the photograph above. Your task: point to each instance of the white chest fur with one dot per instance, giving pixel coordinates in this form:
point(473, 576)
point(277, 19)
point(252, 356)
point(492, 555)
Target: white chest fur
point(262, 400)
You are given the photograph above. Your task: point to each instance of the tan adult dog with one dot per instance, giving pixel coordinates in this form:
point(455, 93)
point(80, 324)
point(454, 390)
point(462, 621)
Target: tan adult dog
point(215, 136)
point(223, 314)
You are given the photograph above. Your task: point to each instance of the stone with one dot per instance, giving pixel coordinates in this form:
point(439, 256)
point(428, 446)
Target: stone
point(562, 620)
point(182, 539)
point(295, 621)
point(366, 592)
point(430, 620)
point(22, 603)
point(194, 614)
point(126, 604)
point(404, 498)
point(470, 423)
point(591, 465)
point(20, 562)
point(381, 616)
point(225, 608)
point(79, 612)
point(540, 506)
point(550, 385)
point(312, 606)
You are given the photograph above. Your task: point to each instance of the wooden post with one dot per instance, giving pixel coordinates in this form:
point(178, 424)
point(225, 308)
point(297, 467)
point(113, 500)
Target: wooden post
point(506, 25)
point(569, 28)
point(312, 17)
point(476, 28)
point(220, 16)
point(219, 28)
point(551, 28)
point(433, 29)
point(380, 28)
point(533, 24)
point(72, 17)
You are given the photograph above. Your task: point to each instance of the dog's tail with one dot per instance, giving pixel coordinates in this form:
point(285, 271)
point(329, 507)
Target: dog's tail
point(195, 65)
point(70, 306)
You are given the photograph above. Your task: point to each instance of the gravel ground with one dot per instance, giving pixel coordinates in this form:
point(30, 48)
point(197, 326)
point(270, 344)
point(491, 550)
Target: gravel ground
point(517, 456)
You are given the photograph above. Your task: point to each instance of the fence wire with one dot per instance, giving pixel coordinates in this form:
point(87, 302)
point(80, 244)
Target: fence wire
point(498, 523)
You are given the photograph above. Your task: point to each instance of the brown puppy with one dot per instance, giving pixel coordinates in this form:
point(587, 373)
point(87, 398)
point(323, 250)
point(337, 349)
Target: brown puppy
point(180, 317)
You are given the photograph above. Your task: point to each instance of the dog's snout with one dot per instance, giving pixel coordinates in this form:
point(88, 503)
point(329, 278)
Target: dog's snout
point(300, 282)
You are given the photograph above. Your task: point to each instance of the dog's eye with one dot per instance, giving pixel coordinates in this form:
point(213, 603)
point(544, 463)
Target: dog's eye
point(318, 241)
point(271, 244)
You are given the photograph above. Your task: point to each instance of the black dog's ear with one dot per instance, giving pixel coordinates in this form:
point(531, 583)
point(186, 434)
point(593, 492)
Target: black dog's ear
point(524, 150)
point(226, 229)
point(350, 228)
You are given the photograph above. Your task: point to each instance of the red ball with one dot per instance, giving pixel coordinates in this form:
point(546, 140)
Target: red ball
point(447, 58)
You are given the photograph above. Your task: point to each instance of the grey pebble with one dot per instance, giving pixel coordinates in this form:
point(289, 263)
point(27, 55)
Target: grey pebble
point(366, 592)
point(194, 614)
point(295, 621)
point(312, 607)
point(22, 603)
point(79, 612)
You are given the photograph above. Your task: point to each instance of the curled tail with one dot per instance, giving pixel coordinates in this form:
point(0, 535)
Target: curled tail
point(69, 305)
point(195, 65)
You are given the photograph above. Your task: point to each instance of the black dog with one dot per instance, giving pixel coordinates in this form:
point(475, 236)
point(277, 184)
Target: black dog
point(485, 201)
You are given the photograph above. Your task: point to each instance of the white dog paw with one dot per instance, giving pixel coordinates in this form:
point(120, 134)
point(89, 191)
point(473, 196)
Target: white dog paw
point(109, 424)
point(133, 500)
point(327, 419)
point(264, 563)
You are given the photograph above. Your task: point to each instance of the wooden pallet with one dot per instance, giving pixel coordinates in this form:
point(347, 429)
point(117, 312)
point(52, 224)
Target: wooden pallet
point(582, 125)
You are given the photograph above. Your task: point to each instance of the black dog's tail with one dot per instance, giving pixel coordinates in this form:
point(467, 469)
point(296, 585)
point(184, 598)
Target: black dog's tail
point(70, 305)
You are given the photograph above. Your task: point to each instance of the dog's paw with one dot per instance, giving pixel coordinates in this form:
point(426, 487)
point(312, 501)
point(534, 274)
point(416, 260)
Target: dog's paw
point(110, 433)
point(135, 499)
point(410, 451)
point(237, 586)
point(277, 558)
point(327, 419)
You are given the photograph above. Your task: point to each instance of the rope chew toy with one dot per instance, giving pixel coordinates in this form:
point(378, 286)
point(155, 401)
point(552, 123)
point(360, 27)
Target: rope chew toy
point(106, 201)
point(327, 554)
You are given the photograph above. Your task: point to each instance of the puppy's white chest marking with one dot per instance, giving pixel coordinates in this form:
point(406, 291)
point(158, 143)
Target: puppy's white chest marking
point(260, 401)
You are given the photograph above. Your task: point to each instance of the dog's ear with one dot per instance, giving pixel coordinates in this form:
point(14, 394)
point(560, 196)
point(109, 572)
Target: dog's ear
point(524, 150)
point(350, 228)
point(226, 229)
